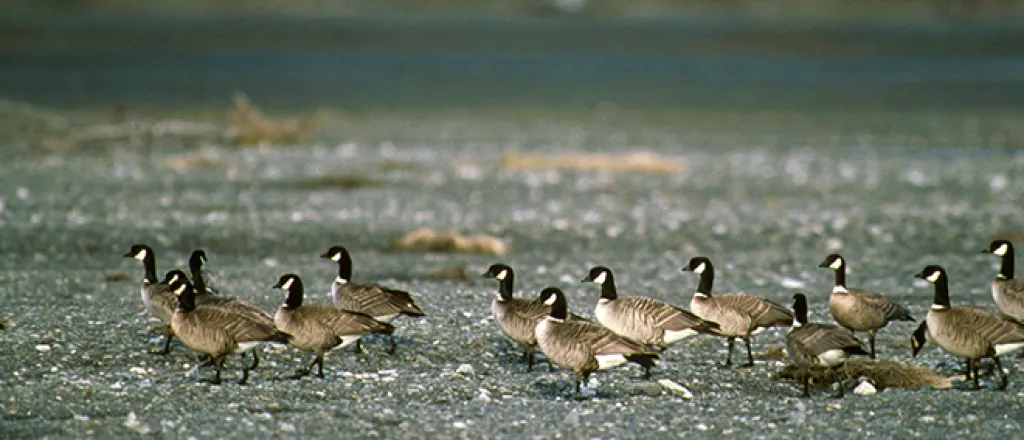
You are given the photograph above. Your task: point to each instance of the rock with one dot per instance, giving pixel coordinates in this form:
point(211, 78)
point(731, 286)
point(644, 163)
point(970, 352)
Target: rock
point(865, 389)
point(676, 389)
point(132, 422)
point(465, 369)
point(649, 389)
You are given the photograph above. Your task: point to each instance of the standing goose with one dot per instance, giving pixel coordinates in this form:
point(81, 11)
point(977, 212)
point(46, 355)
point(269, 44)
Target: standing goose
point(320, 328)
point(382, 303)
point(738, 315)
point(969, 332)
point(158, 298)
point(642, 319)
point(859, 309)
point(815, 345)
point(196, 261)
point(518, 317)
point(582, 346)
point(1007, 291)
point(218, 331)
point(919, 338)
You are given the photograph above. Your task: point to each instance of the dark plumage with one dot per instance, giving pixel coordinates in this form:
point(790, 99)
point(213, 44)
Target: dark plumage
point(157, 297)
point(585, 347)
point(859, 309)
point(738, 315)
point(642, 319)
point(816, 345)
point(218, 331)
point(518, 317)
point(1007, 291)
point(320, 328)
point(969, 332)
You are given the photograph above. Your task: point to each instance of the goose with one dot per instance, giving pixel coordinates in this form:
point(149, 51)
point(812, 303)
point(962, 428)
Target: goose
point(585, 347)
point(383, 303)
point(969, 332)
point(320, 328)
point(738, 315)
point(642, 319)
point(859, 309)
point(205, 299)
point(158, 298)
point(816, 345)
point(919, 338)
point(1007, 291)
point(196, 261)
point(218, 331)
point(518, 317)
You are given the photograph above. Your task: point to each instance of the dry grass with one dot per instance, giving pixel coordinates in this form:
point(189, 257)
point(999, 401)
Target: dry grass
point(456, 273)
point(635, 161)
point(248, 125)
point(882, 373)
point(429, 240)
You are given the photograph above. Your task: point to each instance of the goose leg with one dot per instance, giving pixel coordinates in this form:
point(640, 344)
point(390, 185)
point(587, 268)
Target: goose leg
point(394, 345)
point(647, 372)
point(728, 357)
point(750, 356)
point(305, 372)
point(577, 387)
point(168, 337)
point(255, 360)
point(320, 365)
point(219, 363)
point(245, 372)
point(807, 383)
point(972, 365)
point(967, 375)
point(1003, 380)
point(528, 354)
point(871, 341)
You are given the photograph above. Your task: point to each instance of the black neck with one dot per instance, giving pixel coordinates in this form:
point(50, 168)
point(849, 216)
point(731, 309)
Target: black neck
point(149, 264)
point(559, 309)
point(294, 299)
point(942, 292)
point(800, 309)
point(187, 299)
point(345, 267)
point(196, 270)
point(507, 285)
point(1006, 270)
point(608, 288)
point(841, 275)
point(707, 280)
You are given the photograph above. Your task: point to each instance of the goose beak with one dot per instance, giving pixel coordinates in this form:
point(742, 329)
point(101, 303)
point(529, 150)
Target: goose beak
point(586, 279)
point(823, 264)
point(128, 255)
point(486, 275)
point(685, 269)
point(919, 275)
point(984, 251)
point(326, 255)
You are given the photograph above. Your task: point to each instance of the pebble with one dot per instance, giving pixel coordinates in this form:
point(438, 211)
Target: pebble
point(676, 388)
point(132, 422)
point(865, 389)
point(43, 347)
point(286, 427)
point(465, 369)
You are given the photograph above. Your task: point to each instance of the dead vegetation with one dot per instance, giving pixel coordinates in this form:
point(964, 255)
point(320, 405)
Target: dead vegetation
point(882, 373)
point(634, 161)
point(429, 240)
point(248, 125)
point(455, 273)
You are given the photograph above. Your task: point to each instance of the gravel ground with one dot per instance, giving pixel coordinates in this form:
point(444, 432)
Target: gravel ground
point(74, 358)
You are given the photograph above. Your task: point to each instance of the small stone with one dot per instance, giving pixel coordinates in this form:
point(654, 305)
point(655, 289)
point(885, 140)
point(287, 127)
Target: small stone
point(865, 389)
point(132, 422)
point(928, 419)
point(702, 427)
point(649, 389)
point(571, 419)
point(459, 425)
point(286, 427)
point(676, 389)
point(465, 369)
point(43, 347)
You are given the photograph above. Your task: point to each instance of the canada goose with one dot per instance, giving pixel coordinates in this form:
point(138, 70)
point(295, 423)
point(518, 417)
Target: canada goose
point(518, 317)
point(919, 338)
point(196, 261)
point(969, 332)
point(217, 331)
point(158, 298)
point(642, 319)
point(582, 346)
point(320, 328)
point(738, 315)
point(1007, 291)
point(859, 309)
point(382, 303)
point(816, 345)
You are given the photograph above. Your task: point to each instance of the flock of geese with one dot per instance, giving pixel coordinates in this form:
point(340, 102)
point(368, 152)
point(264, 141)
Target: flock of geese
point(632, 329)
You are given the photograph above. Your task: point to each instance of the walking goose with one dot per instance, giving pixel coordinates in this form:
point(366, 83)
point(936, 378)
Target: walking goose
point(816, 345)
point(383, 303)
point(738, 315)
point(969, 332)
point(158, 298)
point(1007, 291)
point(585, 347)
point(859, 309)
point(518, 317)
point(218, 331)
point(642, 319)
point(320, 328)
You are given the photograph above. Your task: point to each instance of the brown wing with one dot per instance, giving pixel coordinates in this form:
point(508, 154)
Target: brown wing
point(891, 310)
point(818, 338)
point(763, 313)
point(666, 316)
point(994, 328)
point(600, 339)
point(342, 322)
point(236, 305)
point(237, 326)
point(375, 300)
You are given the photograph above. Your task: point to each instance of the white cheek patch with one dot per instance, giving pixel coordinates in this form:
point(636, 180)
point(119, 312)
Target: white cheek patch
point(551, 301)
point(836, 265)
point(934, 276)
point(502, 275)
point(288, 284)
point(174, 279)
point(1001, 250)
point(700, 269)
point(179, 290)
point(141, 255)
point(601, 278)
point(336, 257)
